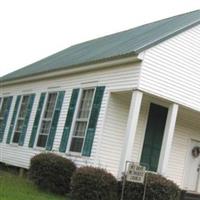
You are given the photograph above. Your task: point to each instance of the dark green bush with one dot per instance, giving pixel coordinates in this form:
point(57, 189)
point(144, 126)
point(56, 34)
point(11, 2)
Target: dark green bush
point(51, 172)
point(158, 188)
point(89, 183)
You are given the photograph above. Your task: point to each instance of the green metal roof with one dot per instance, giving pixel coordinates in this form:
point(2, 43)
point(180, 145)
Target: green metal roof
point(130, 42)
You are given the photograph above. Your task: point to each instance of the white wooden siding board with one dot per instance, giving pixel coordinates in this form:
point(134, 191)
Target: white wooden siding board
point(114, 78)
point(171, 69)
point(113, 132)
point(187, 128)
point(181, 72)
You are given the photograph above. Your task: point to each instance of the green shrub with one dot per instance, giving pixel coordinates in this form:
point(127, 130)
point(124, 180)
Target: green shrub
point(51, 172)
point(90, 183)
point(158, 188)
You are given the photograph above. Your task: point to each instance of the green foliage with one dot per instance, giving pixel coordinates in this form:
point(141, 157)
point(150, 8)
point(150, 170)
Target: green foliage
point(158, 188)
point(51, 172)
point(89, 183)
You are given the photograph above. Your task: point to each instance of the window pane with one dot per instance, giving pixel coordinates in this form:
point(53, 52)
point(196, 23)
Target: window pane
point(45, 127)
point(80, 128)
point(76, 145)
point(24, 106)
point(50, 105)
point(18, 131)
point(4, 107)
point(42, 139)
point(16, 137)
point(1, 124)
point(19, 125)
point(20, 119)
point(86, 103)
point(47, 118)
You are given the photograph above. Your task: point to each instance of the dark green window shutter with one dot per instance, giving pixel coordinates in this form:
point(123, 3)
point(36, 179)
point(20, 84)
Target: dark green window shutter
point(13, 119)
point(55, 120)
point(5, 118)
point(26, 120)
point(68, 122)
point(93, 121)
point(37, 119)
point(154, 136)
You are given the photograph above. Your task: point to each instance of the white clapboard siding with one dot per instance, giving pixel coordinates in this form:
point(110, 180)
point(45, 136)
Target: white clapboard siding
point(113, 131)
point(187, 129)
point(172, 69)
point(115, 78)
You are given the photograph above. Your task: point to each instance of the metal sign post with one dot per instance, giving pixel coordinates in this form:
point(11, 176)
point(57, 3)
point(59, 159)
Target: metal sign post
point(134, 172)
point(124, 181)
point(145, 187)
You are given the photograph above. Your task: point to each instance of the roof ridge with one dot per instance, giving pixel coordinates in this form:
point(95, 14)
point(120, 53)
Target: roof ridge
point(140, 26)
point(115, 45)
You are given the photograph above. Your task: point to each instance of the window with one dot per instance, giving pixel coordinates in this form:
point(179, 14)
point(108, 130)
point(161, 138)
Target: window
point(21, 118)
point(3, 108)
point(82, 120)
point(0, 112)
point(47, 119)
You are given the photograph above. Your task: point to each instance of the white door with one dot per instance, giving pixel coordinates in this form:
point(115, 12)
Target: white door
point(192, 175)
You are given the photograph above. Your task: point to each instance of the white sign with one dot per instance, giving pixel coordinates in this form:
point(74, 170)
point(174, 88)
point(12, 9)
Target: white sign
point(135, 173)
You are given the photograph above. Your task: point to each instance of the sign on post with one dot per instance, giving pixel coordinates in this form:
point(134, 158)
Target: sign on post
point(135, 173)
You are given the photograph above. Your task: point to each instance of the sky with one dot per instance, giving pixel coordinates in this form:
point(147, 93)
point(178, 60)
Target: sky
point(33, 29)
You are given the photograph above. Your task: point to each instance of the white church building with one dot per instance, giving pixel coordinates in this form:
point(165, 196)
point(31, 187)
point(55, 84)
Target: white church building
point(129, 96)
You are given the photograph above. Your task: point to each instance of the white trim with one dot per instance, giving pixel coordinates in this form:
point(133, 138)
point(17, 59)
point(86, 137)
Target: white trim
point(187, 164)
point(41, 119)
point(19, 108)
point(168, 138)
point(75, 119)
point(15, 123)
point(84, 68)
point(73, 122)
point(1, 101)
point(145, 127)
point(132, 123)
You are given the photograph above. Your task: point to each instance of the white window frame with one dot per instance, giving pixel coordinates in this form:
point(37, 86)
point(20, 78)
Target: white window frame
point(17, 118)
point(1, 104)
point(41, 119)
point(75, 120)
point(1, 100)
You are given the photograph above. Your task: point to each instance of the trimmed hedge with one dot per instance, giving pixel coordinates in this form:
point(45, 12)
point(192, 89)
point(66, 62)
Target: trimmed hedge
point(158, 188)
point(51, 172)
point(90, 183)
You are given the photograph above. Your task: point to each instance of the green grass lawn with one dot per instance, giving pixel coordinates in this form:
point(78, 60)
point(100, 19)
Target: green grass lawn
point(13, 187)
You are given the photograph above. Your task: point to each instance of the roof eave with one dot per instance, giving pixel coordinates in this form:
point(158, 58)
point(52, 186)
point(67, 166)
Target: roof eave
point(120, 60)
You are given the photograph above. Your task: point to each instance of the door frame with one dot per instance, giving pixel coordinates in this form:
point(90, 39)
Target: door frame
point(186, 165)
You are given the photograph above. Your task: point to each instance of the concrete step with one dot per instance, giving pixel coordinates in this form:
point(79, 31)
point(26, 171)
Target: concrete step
point(186, 195)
